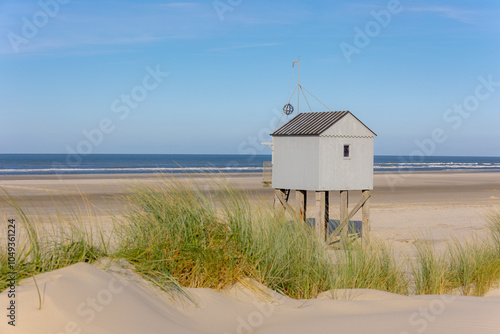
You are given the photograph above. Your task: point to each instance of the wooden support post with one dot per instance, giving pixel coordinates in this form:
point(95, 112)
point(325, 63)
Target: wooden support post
point(301, 199)
point(365, 232)
point(327, 212)
point(322, 214)
point(344, 212)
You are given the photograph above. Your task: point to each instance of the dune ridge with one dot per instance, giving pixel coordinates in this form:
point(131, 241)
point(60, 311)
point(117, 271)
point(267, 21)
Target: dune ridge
point(84, 298)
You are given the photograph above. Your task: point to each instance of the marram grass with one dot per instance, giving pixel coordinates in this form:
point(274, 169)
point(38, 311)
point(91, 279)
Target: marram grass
point(176, 233)
point(176, 230)
point(40, 249)
point(467, 267)
point(430, 271)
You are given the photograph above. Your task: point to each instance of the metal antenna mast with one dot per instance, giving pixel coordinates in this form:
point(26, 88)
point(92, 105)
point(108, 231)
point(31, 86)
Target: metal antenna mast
point(298, 85)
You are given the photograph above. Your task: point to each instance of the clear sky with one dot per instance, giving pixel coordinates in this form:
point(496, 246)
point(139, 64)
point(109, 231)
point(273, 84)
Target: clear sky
point(212, 76)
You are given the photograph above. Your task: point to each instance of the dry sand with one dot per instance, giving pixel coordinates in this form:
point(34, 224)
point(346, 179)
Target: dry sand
point(431, 206)
point(438, 205)
point(84, 299)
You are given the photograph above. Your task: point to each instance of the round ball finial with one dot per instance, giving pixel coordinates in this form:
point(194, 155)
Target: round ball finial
point(288, 109)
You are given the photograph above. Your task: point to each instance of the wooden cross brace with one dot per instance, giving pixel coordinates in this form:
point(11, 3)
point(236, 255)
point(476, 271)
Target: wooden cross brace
point(366, 195)
point(283, 201)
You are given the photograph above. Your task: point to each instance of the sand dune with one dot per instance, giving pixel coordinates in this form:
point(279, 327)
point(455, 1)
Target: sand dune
point(92, 299)
point(86, 299)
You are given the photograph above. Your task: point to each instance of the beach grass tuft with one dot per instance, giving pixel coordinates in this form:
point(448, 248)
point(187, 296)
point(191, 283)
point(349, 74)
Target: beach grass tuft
point(174, 230)
point(371, 266)
point(41, 249)
point(468, 267)
point(430, 270)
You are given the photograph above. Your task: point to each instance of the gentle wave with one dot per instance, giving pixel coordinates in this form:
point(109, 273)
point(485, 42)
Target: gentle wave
point(441, 166)
point(136, 169)
point(438, 163)
point(377, 167)
point(46, 164)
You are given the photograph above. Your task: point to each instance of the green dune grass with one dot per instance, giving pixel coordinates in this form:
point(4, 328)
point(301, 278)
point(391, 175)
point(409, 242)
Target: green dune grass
point(175, 232)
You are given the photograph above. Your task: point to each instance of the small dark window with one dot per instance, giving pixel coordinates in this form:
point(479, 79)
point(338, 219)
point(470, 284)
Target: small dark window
point(347, 152)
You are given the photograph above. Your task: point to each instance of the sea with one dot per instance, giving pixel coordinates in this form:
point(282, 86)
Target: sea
point(57, 164)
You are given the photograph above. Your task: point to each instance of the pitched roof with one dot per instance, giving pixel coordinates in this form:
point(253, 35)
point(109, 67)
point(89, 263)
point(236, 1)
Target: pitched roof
point(312, 123)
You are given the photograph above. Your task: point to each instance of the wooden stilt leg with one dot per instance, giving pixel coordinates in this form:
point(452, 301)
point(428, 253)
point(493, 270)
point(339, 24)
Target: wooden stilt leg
point(301, 199)
point(365, 233)
point(321, 214)
point(327, 212)
point(344, 212)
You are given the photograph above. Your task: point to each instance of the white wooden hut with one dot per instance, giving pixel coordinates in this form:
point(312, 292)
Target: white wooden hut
point(323, 152)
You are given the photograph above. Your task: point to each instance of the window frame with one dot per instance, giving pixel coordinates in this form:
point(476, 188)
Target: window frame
point(348, 146)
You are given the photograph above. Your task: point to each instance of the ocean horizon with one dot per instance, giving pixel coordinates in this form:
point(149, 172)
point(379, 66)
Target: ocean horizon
point(56, 164)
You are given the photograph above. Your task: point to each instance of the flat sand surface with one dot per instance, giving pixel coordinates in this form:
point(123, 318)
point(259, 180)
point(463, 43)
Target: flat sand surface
point(83, 298)
point(433, 206)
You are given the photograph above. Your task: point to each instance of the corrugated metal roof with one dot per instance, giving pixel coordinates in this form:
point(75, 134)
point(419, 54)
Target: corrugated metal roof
point(311, 123)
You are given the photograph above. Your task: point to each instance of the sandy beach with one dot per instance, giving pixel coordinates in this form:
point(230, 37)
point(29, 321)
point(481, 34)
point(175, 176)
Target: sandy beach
point(437, 206)
point(433, 207)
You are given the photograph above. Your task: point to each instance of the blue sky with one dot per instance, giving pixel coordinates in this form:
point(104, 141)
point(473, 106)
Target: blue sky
point(424, 75)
